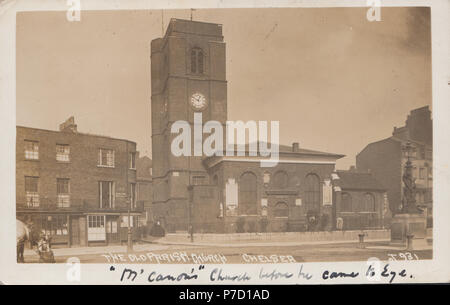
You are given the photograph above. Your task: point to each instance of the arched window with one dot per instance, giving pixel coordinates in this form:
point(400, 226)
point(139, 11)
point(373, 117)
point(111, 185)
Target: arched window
point(281, 210)
point(346, 203)
point(247, 194)
point(280, 179)
point(312, 192)
point(193, 61)
point(369, 203)
point(197, 60)
point(200, 61)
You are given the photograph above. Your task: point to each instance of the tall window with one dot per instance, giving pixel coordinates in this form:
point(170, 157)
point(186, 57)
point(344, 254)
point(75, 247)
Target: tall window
point(63, 194)
point(197, 60)
point(280, 179)
point(281, 210)
point(31, 150)
point(133, 160)
point(247, 194)
point(62, 153)
point(106, 194)
point(346, 203)
point(369, 203)
point(133, 195)
point(312, 192)
point(31, 191)
point(106, 157)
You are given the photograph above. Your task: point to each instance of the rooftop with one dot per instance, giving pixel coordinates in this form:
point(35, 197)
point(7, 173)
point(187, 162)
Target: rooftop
point(69, 127)
point(288, 149)
point(181, 27)
point(351, 180)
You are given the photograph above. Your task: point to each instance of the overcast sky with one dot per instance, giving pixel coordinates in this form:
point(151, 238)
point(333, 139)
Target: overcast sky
point(335, 81)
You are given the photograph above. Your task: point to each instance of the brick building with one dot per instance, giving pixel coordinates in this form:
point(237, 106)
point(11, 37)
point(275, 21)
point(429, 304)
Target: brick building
point(360, 201)
point(385, 160)
point(77, 187)
point(223, 194)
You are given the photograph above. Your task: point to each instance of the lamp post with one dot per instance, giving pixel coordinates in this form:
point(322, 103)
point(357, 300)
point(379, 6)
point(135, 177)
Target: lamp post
point(191, 199)
point(129, 233)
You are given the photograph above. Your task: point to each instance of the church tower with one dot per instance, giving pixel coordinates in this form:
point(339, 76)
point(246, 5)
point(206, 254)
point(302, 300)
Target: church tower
point(187, 76)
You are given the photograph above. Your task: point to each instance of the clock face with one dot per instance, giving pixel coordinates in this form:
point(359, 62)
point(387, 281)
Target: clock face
point(198, 101)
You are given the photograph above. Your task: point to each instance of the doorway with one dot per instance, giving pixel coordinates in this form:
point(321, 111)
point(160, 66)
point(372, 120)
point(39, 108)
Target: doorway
point(112, 231)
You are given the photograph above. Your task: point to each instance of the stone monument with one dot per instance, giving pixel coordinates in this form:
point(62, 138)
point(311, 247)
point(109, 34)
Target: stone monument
point(408, 226)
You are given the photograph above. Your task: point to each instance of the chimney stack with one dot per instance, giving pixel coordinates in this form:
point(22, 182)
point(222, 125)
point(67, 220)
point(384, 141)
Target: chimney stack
point(295, 147)
point(69, 125)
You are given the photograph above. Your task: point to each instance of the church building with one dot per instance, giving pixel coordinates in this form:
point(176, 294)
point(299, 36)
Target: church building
point(224, 194)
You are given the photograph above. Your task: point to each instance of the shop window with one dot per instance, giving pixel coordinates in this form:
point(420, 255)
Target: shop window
point(96, 228)
point(54, 224)
point(133, 220)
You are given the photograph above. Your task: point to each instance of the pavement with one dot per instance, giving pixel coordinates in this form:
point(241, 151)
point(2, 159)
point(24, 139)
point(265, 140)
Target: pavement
point(75, 251)
point(382, 244)
point(246, 243)
point(161, 245)
point(417, 246)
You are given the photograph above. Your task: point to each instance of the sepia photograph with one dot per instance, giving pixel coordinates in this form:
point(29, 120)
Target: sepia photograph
point(232, 136)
